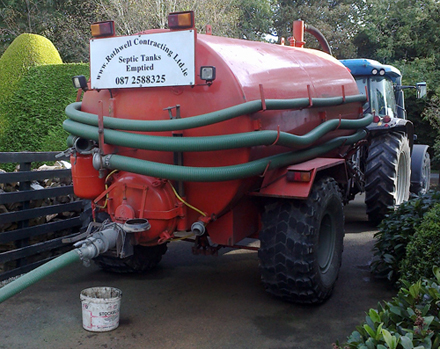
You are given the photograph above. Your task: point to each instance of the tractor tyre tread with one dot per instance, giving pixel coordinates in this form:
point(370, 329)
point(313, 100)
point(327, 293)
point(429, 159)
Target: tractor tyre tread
point(380, 174)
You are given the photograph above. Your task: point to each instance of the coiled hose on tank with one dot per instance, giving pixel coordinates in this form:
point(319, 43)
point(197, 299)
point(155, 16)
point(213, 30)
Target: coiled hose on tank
point(73, 111)
point(210, 143)
point(215, 174)
point(84, 125)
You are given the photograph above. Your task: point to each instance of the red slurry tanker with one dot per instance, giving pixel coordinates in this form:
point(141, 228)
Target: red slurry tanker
point(181, 135)
point(185, 136)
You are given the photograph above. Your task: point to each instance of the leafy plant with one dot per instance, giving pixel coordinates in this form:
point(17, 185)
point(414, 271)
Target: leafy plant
point(422, 252)
point(396, 231)
point(410, 320)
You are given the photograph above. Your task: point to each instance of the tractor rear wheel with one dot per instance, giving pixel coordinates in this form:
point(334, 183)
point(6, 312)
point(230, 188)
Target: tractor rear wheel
point(387, 174)
point(420, 170)
point(302, 243)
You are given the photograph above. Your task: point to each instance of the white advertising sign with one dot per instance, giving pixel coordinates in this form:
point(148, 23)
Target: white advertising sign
point(148, 60)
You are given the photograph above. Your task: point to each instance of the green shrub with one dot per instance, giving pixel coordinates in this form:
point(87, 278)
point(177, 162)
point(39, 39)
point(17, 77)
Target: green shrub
point(35, 88)
point(35, 113)
point(396, 231)
point(410, 320)
point(422, 252)
point(27, 50)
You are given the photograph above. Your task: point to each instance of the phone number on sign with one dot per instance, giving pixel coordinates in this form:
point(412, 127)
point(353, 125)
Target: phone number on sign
point(140, 80)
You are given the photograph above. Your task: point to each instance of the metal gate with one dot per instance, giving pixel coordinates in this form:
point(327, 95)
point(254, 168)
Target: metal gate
point(26, 247)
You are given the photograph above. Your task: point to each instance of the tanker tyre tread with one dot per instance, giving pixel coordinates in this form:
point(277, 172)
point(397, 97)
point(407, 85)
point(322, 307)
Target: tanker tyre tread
point(388, 155)
point(144, 259)
point(292, 264)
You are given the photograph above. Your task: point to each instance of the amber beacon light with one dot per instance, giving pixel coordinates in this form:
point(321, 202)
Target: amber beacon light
point(103, 29)
point(181, 20)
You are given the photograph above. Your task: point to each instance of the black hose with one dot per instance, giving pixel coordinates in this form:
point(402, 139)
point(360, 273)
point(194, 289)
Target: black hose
point(319, 36)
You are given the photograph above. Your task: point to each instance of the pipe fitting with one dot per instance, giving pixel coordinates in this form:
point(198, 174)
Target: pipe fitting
point(136, 225)
point(97, 161)
point(198, 228)
point(83, 146)
point(97, 244)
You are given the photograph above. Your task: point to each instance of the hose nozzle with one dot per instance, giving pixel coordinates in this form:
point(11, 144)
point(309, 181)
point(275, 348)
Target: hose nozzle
point(96, 244)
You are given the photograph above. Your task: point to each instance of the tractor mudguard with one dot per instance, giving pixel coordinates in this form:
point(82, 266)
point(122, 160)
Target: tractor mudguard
point(395, 125)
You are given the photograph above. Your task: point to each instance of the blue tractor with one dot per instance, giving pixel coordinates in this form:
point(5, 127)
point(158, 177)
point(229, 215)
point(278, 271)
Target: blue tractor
point(393, 166)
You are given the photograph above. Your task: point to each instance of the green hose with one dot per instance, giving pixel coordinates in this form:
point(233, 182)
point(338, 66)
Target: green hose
point(85, 125)
point(70, 140)
point(37, 274)
point(215, 174)
point(232, 141)
point(73, 111)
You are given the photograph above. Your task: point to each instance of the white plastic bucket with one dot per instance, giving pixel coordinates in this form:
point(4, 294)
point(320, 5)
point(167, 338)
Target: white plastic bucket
point(100, 308)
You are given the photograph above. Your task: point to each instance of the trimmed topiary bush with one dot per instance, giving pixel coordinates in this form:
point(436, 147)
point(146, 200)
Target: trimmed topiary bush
point(410, 320)
point(35, 113)
point(396, 231)
point(423, 251)
point(27, 50)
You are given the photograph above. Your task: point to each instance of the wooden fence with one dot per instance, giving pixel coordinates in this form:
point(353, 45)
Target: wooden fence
point(26, 247)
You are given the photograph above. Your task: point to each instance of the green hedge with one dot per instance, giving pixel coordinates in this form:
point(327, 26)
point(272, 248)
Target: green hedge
point(423, 250)
point(407, 248)
point(396, 231)
point(34, 114)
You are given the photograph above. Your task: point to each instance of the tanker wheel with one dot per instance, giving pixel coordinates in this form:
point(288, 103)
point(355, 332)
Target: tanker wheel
point(387, 174)
point(144, 258)
point(302, 243)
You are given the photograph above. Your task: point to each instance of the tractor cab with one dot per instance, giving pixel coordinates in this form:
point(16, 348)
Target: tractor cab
point(383, 85)
point(382, 99)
